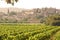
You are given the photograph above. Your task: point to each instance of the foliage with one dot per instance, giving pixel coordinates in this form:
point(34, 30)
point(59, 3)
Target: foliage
point(11, 31)
point(53, 20)
point(12, 13)
point(11, 1)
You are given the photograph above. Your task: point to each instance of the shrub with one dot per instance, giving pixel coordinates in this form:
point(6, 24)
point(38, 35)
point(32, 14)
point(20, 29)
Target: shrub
point(53, 20)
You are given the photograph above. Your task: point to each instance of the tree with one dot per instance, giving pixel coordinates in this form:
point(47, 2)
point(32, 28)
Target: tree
point(11, 1)
point(53, 20)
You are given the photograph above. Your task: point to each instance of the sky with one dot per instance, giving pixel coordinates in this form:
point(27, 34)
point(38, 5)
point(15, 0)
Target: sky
point(28, 4)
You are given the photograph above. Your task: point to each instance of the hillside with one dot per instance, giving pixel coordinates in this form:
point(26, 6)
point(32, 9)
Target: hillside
point(36, 15)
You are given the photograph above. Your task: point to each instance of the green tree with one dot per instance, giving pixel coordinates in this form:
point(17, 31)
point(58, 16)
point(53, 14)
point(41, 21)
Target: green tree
point(53, 20)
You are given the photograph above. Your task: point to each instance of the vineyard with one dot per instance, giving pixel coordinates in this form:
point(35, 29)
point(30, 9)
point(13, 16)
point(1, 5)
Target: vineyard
point(29, 32)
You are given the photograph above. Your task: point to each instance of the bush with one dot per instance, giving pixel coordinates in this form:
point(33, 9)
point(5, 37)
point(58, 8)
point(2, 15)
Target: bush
point(12, 13)
point(53, 20)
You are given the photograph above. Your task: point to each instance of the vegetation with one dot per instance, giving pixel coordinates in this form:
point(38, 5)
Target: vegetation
point(50, 16)
point(18, 31)
point(53, 20)
point(11, 1)
point(23, 26)
point(56, 36)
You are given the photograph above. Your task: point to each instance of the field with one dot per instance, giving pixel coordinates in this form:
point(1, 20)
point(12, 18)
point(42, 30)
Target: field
point(29, 32)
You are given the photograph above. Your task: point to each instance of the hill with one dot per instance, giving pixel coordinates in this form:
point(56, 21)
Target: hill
point(36, 15)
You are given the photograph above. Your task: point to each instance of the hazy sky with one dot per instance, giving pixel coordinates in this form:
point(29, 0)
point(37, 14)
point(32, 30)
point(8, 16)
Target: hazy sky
point(33, 4)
